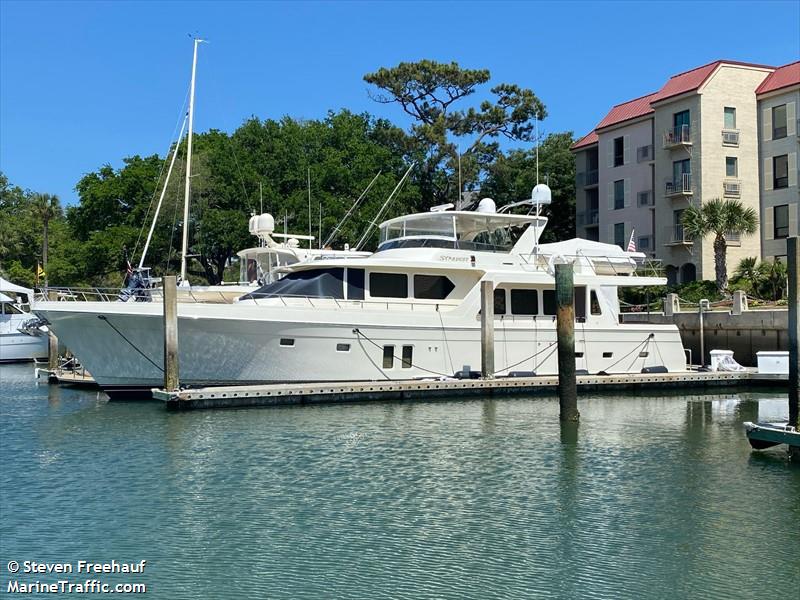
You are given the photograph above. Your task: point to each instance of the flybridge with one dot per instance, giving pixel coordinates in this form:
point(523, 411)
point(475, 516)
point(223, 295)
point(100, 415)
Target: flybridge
point(464, 230)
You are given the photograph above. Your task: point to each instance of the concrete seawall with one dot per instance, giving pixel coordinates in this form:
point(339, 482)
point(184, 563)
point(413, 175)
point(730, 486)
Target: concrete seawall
point(745, 334)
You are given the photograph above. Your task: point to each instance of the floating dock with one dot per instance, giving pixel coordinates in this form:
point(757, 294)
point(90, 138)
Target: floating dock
point(424, 389)
point(77, 377)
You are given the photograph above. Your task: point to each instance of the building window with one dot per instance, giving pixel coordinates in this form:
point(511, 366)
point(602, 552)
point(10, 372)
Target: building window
point(778, 122)
point(680, 121)
point(619, 151)
point(524, 302)
point(780, 171)
point(619, 194)
point(388, 285)
point(619, 235)
point(730, 118)
point(781, 223)
point(432, 287)
point(644, 242)
point(388, 357)
point(731, 166)
point(499, 301)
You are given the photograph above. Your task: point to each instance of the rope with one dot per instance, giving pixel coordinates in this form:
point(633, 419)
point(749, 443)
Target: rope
point(358, 332)
point(527, 358)
point(132, 345)
point(635, 348)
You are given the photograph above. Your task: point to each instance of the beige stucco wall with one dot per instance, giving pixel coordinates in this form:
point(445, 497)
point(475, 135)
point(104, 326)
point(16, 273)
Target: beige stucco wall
point(733, 86)
point(789, 145)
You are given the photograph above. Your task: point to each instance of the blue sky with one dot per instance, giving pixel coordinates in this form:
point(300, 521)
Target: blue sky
point(88, 83)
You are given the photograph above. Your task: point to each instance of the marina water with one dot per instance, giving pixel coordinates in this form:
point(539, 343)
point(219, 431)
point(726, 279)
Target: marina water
point(651, 497)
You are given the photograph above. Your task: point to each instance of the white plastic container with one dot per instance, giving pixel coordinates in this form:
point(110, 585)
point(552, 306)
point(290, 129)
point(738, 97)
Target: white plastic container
point(717, 356)
point(773, 362)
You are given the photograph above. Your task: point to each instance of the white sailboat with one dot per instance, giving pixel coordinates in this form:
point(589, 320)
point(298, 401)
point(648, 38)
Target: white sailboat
point(411, 310)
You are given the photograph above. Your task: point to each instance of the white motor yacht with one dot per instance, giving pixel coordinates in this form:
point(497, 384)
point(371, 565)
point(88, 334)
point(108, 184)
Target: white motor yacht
point(20, 337)
point(410, 310)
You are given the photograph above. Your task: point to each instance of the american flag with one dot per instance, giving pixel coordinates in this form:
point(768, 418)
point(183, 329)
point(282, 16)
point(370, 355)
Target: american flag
point(631, 243)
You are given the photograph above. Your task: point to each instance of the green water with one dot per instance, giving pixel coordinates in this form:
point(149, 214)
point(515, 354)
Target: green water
point(652, 497)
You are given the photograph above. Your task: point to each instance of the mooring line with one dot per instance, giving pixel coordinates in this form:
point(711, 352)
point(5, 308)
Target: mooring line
point(132, 345)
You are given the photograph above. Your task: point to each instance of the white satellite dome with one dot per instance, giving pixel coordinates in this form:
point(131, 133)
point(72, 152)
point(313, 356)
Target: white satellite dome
point(266, 223)
point(541, 194)
point(486, 205)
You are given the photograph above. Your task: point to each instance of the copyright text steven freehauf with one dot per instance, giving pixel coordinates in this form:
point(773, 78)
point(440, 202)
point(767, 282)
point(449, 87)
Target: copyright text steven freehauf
point(86, 581)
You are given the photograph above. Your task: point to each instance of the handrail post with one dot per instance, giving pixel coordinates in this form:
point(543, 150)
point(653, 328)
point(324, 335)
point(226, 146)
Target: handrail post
point(170, 294)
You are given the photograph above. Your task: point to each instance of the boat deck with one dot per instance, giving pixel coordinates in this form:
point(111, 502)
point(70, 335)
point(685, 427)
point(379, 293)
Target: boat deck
point(425, 389)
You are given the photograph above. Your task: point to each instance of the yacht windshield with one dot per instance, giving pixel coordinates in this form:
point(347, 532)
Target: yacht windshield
point(458, 230)
point(310, 283)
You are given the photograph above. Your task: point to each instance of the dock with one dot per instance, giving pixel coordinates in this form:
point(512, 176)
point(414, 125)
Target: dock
point(282, 394)
point(74, 377)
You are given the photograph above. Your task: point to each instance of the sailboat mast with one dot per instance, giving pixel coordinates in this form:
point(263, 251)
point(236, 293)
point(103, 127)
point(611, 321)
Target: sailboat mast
point(187, 185)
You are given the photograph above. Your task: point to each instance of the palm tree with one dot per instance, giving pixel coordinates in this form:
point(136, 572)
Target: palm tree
point(720, 218)
point(45, 207)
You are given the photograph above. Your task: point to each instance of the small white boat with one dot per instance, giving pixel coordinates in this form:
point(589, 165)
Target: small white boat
point(17, 342)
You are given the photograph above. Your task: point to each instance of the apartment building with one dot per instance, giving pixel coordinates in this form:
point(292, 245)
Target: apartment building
point(779, 136)
point(695, 139)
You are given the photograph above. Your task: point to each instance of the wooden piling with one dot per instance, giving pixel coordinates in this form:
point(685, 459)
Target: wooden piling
point(793, 256)
point(487, 329)
point(565, 333)
point(170, 292)
point(52, 340)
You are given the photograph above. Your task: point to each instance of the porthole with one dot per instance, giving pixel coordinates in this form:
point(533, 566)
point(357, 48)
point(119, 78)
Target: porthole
point(288, 342)
point(343, 347)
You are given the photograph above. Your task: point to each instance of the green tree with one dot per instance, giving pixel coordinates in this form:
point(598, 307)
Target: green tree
point(512, 177)
point(45, 208)
point(720, 218)
point(426, 91)
point(773, 279)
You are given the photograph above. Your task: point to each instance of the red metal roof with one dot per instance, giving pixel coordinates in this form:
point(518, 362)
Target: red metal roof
point(587, 140)
point(691, 80)
point(780, 78)
point(627, 110)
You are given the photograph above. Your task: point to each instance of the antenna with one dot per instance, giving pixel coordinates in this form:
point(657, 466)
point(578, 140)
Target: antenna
point(385, 204)
point(536, 135)
point(319, 238)
point(458, 199)
point(309, 207)
point(336, 229)
point(261, 196)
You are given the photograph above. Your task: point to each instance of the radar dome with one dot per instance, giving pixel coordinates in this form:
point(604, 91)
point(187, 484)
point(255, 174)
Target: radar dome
point(541, 194)
point(486, 205)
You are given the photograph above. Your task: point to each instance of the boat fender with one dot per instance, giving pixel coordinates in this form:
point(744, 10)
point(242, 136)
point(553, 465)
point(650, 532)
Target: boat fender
point(656, 369)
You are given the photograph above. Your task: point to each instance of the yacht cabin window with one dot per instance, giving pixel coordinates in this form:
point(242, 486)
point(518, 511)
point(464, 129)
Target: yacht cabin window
point(525, 302)
point(499, 301)
point(388, 285)
point(432, 287)
point(311, 283)
point(355, 284)
point(595, 303)
point(549, 301)
point(9, 309)
point(580, 302)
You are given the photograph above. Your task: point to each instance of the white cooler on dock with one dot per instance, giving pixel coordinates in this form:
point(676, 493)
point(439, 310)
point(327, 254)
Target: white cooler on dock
point(773, 362)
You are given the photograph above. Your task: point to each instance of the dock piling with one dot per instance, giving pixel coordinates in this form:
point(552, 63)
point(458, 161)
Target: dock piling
point(52, 340)
point(171, 380)
point(565, 332)
point(793, 256)
point(487, 329)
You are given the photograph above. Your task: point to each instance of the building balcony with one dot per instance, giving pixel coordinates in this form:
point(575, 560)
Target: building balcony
point(732, 188)
point(645, 154)
point(646, 198)
point(589, 218)
point(587, 178)
point(679, 187)
point(730, 137)
point(675, 235)
point(677, 137)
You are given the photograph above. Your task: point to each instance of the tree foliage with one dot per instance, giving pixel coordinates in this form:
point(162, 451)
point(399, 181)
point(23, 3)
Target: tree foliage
point(427, 91)
point(720, 218)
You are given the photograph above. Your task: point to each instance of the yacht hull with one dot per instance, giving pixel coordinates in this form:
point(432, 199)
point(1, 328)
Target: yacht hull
point(20, 347)
point(122, 345)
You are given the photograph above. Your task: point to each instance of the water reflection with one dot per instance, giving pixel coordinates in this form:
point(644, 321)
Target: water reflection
point(648, 496)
